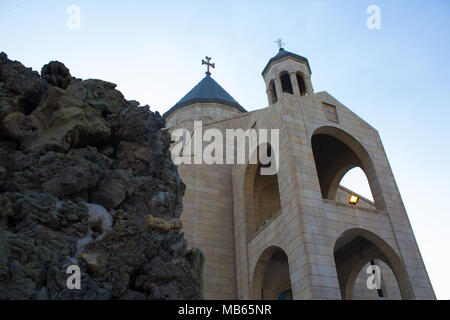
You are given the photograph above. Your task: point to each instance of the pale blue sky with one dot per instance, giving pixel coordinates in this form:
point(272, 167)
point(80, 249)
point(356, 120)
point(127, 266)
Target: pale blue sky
point(395, 78)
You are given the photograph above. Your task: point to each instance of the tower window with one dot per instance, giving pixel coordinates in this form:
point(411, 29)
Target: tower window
point(286, 84)
point(301, 85)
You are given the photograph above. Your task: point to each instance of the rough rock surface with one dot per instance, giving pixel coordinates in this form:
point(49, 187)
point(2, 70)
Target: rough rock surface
point(86, 179)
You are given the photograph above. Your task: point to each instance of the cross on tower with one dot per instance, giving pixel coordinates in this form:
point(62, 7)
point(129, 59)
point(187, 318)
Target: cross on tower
point(208, 65)
point(280, 43)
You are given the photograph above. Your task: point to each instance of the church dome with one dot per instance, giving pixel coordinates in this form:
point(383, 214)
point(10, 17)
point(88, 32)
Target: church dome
point(283, 54)
point(206, 91)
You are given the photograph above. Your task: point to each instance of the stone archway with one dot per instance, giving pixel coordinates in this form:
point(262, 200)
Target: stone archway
point(354, 249)
point(261, 194)
point(271, 276)
point(335, 153)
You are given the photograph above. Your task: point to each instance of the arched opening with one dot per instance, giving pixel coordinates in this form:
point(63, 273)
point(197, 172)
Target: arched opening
point(301, 84)
point(356, 180)
point(357, 249)
point(335, 153)
point(286, 84)
point(273, 89)
point(261, 192)
point(266, 197)
point(271, 278)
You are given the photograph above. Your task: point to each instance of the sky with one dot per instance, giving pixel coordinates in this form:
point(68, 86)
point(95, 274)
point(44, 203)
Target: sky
point(395, 77)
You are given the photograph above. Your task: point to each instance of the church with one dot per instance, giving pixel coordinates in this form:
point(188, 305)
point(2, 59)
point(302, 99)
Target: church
point(296, 234)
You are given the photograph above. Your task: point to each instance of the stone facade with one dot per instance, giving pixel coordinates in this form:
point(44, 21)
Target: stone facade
point(296, 230)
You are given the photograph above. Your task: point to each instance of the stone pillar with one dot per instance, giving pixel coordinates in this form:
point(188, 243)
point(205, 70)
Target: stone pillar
point(308, 84)
point(295, 87)
point(278, 88)
point(269, 93)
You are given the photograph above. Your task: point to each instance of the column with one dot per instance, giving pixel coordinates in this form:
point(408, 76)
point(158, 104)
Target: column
point(295, 87)
point(308, 83)
point(278, 88)
point(269, 93)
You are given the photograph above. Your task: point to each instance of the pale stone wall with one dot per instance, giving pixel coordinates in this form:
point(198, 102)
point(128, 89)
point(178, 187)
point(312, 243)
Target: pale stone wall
point(206, 112)
point(208, 205)
point(208, 225)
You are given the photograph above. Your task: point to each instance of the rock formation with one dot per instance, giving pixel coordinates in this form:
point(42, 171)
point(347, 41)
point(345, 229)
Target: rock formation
point(86, 179)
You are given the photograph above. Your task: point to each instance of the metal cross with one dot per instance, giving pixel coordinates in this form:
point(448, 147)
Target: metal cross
point(208, 65)
point(280, 43)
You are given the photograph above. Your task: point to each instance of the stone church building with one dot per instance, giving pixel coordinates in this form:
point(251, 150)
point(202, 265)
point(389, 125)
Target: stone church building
point(296, 234)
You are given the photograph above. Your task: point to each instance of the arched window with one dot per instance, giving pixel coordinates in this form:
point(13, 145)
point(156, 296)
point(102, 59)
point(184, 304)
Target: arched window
point(286, 84)
point(301, 85)
point(274, 91)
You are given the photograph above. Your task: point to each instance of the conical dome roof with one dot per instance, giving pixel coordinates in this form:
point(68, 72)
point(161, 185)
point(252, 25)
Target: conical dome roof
point(282, 54)
point(206, 91)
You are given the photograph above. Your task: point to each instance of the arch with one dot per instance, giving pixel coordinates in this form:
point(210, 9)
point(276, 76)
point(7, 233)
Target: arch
point(354, 248)
point(271, 275)
point(273, 90)
point(301, 84)
point(261, 194)
point(335, 153)
point(286, 84)
point(266, 196)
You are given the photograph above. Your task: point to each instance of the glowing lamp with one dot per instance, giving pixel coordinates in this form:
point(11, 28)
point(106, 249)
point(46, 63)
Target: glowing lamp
point(353, 200)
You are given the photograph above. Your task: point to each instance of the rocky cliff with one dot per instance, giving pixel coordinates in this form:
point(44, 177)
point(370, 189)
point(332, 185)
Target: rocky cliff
point(86, 179)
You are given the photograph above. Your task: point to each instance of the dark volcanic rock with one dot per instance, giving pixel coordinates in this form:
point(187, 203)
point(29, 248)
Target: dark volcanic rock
point(86, 179)
point(20, 88)
point(56, 74)
point(100, 95)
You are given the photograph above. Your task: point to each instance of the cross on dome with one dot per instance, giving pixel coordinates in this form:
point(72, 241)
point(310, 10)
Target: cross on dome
point(280, 43)
point(208, 64)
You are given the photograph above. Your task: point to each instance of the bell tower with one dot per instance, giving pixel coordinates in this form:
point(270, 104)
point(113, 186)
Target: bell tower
point(299, 233)
point(287, 74)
